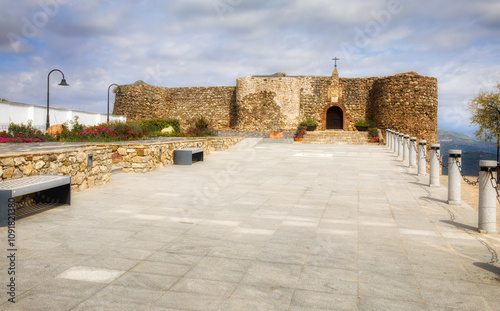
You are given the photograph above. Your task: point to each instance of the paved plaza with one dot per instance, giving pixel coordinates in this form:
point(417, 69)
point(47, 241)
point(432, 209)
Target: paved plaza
point(259, 227)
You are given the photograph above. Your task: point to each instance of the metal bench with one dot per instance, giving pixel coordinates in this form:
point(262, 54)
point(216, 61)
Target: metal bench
point(188, 156)
point(47, 189)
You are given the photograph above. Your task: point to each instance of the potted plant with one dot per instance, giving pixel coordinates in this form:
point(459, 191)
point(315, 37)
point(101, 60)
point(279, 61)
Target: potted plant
point(300, 133)
point(310, 123)
point(373, 134)
point(362, 125)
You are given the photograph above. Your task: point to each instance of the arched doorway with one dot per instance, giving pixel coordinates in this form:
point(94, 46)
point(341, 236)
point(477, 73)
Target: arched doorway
point(334, 118)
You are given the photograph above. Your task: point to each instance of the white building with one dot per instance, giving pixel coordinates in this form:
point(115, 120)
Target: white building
point(22, 113)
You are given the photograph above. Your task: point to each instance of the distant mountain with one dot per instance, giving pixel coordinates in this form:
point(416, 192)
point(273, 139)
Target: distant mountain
point(473, 150)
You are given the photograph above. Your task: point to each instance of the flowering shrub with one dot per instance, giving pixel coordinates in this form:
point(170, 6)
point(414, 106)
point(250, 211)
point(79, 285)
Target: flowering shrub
point(6, 137)
point(373, 133)
point(301, 131)
point(23, 134)
point(100, 132)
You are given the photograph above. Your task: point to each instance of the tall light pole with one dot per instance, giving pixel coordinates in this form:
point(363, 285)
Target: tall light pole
point(63, 83)
point(119, 93)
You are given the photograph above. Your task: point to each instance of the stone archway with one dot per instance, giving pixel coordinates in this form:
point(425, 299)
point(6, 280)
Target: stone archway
point(334, 118)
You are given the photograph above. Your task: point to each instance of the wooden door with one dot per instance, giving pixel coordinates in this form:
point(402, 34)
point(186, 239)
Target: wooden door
point(334, 119)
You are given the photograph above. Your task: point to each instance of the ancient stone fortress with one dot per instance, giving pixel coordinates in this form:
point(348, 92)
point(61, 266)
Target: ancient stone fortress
point(406, 102)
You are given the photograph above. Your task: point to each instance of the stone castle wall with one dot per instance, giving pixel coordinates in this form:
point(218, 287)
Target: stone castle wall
point(186, 104)
point(268, 103)
point(407, 103)
point(319, 95)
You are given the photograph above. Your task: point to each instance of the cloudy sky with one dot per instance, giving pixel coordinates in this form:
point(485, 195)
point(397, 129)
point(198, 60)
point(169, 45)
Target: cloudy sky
point(212, 42)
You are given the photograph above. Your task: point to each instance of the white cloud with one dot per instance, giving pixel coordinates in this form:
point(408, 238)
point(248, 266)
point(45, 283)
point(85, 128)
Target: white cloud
point(190, 43)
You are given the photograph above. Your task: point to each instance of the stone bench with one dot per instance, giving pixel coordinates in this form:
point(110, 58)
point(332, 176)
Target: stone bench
point(188, 156)
point(47, 189)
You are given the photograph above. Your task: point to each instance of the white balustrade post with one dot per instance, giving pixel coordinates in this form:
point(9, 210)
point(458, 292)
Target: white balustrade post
point(406, 148)
point(454, 177)
point(396, 144)
point(487, 218)
point(413, 152)
point(400, 145)
point(422, 158)
point(434, 166)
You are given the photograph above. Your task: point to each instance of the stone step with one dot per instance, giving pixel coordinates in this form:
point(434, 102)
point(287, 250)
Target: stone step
point(337, 137)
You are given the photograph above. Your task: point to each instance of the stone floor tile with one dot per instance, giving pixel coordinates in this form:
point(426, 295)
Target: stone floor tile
point(452, 299)
point(127, 295)
point(128, 253)
point(175, 258)
point(146, 281)
point(105, 305)
point(90, 274)
point(214, 274)
point(235, 304)
point(189, 301)
point(332, 262)
point(386, 291)
point(231, 252)
point(111, 263)
point(375, 304)
point(277, 280)
point(275, 268)
point(328, 286)
point(37, 301)
point(68, 288)
point(264, 292)
point(387, 278)
point(204, 287)
point(310, 300)
point(161, 268)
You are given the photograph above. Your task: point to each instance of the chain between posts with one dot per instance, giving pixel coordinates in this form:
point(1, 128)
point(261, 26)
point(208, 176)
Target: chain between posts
point(438, 156)
point(425, 155)
point(414, 146)
point(472, 183)
point(494, 183)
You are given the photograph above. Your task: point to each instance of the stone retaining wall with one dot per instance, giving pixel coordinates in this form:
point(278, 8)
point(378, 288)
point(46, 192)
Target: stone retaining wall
point(136, 157)
point(61, 162)
point(146, 157)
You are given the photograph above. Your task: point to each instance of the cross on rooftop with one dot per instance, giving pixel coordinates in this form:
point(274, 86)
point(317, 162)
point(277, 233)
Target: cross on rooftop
point(335, 59)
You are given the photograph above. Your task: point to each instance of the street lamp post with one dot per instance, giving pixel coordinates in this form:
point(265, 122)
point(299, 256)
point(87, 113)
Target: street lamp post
point(119, 93)
point(63, 83)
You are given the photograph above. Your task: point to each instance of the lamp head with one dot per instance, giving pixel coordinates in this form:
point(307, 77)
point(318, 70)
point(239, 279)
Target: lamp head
point(63, 82)
point(119, 93)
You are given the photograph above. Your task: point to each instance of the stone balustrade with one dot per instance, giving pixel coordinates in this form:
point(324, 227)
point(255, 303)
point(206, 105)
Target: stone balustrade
point(488, 186)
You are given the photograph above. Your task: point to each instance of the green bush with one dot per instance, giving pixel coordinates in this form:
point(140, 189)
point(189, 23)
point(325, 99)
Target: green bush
point(361, 122)
point(154, 125)
point(201, 123)
point(308, 122)
point(75, 126)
